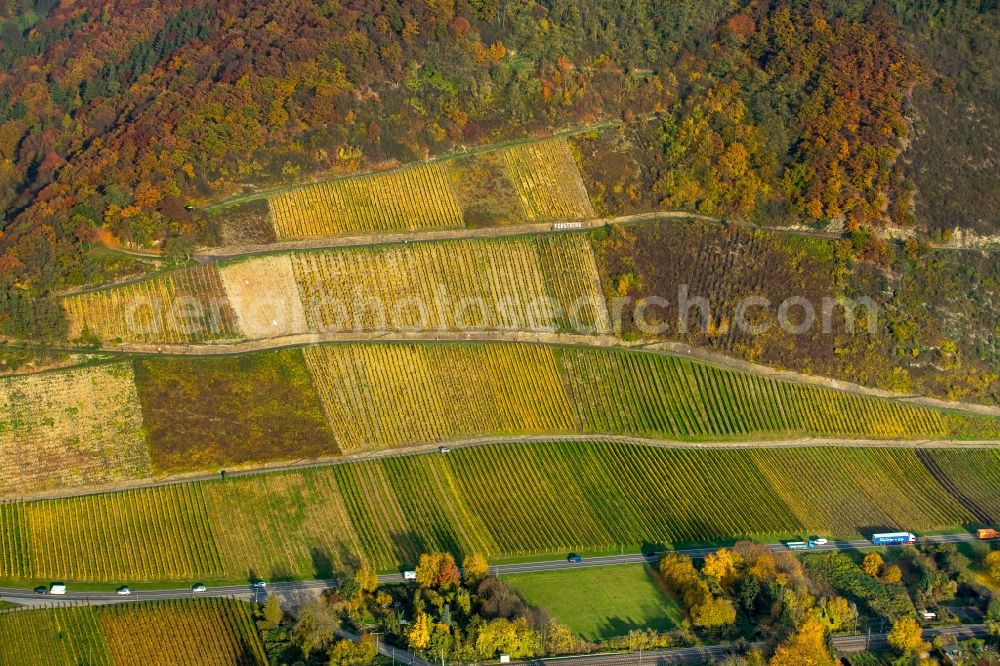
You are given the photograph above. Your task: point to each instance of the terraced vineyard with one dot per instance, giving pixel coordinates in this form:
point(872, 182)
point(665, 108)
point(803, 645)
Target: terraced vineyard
point(548, 181)
point(502, 500)
point(664, 396)
point(537, 181)
point(203, 631)
point(183, 306)
point(408, 199)
point(486, 284)
point(390, 395)
point(102, 424)
point(70, 428)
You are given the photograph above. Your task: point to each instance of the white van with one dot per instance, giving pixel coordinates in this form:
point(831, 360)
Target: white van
point(409, 575)
point(57, 588)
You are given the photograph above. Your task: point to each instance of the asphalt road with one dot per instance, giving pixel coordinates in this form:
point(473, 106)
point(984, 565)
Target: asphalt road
point(245, 591)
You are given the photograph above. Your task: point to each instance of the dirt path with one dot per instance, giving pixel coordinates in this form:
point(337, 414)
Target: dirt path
point(567, 339)
point(433, 447)
point(236, 251)
point(213, 254)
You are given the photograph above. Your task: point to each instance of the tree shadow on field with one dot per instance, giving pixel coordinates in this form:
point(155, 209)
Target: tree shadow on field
point(408, 546)
point(245, 654)
point(282, 573)
point(321, 563)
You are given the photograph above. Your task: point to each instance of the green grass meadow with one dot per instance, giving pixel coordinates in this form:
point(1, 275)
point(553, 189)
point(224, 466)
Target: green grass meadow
point(601, 603)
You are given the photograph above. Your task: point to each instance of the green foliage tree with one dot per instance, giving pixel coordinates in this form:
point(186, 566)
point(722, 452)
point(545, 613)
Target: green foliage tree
point(273, 613)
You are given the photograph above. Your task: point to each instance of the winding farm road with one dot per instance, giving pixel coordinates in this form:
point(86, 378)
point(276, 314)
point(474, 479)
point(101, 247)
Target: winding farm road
point(223, 253)
point(433, 447)
point(667, 348)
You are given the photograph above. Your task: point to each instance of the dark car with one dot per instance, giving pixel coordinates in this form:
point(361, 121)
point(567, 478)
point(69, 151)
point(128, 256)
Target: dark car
point(573, 557)
point(41, 589)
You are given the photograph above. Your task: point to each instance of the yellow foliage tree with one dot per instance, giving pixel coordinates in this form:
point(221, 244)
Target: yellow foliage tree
point(838, 613)
point(993, 565)
point(872, 564)
point(714, 613)
point(515, 638)
point(475, 568)
point(722, 565)
point(559, 639)
point(366, 578)
point(892, 574)
point(438, 571)
point(907, 636)
point(418, 636)
point(807, 647)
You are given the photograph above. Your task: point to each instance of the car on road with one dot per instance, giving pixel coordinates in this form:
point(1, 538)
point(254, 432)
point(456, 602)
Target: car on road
point(259, 585)
point(821, 541)
point(123, 591)
point(649, 554)
point(57, 588)
point(41, 589)
point(199, 587)
point(573, 557)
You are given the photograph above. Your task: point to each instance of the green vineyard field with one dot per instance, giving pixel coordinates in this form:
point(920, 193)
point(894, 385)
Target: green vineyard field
point(204, 631)
point(502, 500)
point(61, 636)
point(664, 396)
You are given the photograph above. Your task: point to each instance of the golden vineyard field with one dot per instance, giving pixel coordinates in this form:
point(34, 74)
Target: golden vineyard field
point(202, 631)
point(484, 284)
point(179, 307)
point(535, 283)
point(544, 174)
point(408, 199)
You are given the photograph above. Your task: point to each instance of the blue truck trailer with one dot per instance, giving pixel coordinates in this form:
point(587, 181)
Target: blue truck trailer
point(893, 538)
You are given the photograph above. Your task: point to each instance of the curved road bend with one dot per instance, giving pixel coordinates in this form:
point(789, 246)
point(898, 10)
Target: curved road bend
point(293, 588)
